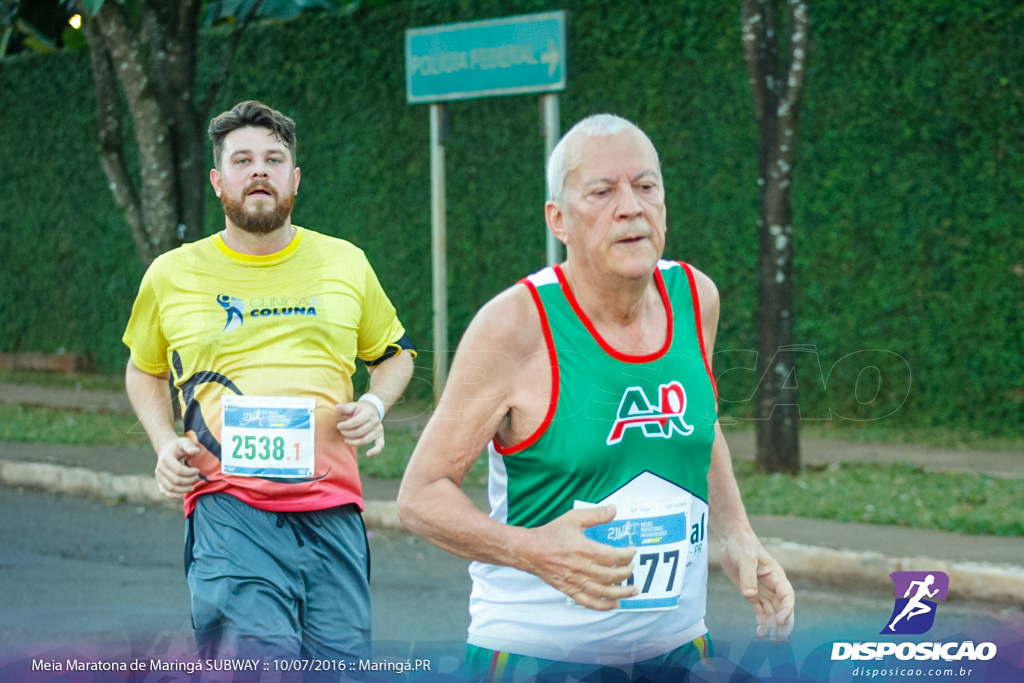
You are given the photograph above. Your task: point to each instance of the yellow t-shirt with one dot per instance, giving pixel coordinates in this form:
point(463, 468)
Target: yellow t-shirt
point(289, 324)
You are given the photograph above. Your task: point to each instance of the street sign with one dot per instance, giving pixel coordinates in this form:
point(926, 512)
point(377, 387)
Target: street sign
point(507, 56)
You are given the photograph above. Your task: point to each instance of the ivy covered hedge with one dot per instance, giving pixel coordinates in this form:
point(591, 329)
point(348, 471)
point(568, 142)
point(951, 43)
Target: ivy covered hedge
point(908, 191)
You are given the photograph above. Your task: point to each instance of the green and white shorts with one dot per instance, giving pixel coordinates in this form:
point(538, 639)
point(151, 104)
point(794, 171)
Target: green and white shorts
point(490, 666)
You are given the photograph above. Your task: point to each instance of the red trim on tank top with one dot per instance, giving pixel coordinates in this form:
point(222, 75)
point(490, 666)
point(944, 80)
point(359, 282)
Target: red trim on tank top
point(608, 348)
point(549, 341)
point(700, 328)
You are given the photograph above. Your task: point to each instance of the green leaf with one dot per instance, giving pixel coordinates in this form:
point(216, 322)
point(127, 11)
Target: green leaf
point(73, 39)
point(34, 38)
point(92, 7)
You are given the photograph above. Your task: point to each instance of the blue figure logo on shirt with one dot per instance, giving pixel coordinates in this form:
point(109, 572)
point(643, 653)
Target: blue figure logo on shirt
point(235, 310)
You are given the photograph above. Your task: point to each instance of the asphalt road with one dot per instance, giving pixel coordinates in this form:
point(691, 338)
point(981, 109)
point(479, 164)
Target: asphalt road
point(108, 579)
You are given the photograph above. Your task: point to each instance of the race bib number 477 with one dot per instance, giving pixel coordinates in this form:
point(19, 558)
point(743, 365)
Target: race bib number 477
point(658, 531)
point(267, 436)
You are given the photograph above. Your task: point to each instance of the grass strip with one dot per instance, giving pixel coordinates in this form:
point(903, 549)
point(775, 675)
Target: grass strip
point(894, 494)
point(51, 425)
point(903, 495)
point(59, 380)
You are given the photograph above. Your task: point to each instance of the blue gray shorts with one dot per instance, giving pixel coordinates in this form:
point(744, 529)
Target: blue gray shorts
point(278, 584)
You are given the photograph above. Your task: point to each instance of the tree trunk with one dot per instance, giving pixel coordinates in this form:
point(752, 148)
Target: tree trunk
point(152, 56)
point(175, 27)
point(777, 90)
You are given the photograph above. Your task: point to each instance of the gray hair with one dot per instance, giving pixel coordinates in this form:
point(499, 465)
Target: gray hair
point(561, 162)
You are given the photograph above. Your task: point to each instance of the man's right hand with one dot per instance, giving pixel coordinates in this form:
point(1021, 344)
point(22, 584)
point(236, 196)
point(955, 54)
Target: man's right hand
point(589, 572)
point(174, 477)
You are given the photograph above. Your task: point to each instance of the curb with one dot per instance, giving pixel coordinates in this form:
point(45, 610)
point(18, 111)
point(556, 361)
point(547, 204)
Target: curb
point(989, 582)
point(136, 488)
point(997, 583)
point(80, 481)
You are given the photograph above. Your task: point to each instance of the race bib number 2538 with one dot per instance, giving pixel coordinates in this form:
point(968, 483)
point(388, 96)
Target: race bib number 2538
point(267, 436)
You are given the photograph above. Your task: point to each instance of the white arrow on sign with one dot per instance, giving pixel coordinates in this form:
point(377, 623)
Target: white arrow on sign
point(550, 57)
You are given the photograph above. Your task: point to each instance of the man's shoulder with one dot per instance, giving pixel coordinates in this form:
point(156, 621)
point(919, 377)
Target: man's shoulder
point(541, 278)
point(509, 320)
point(323, 240)
point(333, 248)
point(687, 271)
point(674, 268)
point(689, 280)
point(173, 259)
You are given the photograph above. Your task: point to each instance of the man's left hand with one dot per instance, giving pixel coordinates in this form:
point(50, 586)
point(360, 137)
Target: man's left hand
point(763, 582)
point(360, 424)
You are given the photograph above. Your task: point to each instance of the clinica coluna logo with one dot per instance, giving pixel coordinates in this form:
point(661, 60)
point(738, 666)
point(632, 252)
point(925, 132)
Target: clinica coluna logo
point(274, 306)
point(263, 307)
point(235, 309)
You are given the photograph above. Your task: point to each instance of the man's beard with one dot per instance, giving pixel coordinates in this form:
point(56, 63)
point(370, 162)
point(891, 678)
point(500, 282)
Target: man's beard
point(258, 221)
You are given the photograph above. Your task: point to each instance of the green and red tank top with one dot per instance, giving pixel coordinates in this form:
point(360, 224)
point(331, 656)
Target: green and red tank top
point(619, 429)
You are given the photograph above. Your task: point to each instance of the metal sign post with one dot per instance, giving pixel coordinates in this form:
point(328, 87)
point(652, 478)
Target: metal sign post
point(508, 56)
point(555, 252)
point(438, 241)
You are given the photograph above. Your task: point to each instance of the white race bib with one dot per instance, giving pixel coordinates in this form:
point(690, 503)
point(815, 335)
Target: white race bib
point(267, 436)
point(658, 531)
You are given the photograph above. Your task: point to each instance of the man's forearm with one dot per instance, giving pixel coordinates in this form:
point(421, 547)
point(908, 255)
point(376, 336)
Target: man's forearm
point(151, 401)
point(726, 512)
point(389, 379)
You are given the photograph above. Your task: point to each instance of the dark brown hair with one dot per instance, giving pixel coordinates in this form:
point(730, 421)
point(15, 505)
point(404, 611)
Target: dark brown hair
point(251, 114)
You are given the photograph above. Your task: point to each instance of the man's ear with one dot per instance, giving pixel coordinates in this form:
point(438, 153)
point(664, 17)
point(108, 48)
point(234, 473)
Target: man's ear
point(215, 180)
point(554, 215)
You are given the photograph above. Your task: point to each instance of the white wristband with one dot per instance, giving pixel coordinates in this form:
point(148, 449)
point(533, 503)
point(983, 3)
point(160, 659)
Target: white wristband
point(375, 401)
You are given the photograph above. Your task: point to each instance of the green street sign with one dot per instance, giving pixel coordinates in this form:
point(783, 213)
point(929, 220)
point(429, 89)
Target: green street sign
point(507, 56)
